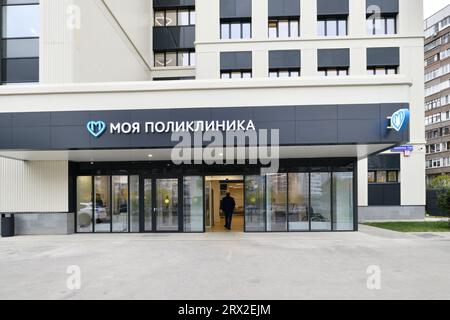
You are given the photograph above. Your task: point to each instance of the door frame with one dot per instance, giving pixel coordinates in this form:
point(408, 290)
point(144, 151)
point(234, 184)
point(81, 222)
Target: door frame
point(153, 179)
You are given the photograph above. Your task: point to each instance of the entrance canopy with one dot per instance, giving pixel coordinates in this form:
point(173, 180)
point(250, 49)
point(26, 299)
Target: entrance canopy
point(294, 152)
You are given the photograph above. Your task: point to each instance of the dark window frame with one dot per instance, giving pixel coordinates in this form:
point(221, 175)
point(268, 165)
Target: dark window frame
point(190, 9)
point(277, 21)
point(289, 70)
point(242, 71)
point(386, 69)
point(3, 58)
point(335, 19)
point(177, 52)
point(326, 70)
point(241, 22)
point(385, 18)
point(387, 172)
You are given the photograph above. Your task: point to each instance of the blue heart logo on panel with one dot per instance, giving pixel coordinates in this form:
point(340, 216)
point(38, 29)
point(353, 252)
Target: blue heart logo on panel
point(400, 119)
point(96, 128)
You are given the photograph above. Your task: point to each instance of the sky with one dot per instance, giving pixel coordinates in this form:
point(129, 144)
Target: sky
point(432, 6)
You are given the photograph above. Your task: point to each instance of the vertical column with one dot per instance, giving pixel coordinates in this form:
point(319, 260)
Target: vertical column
point(308, 19)
point(363, 183)
point(309, 62)
point(56, 41)
point(358, 61)
point(357, 18)
point(410, 12)
point(260, 19)
point(207, 30)
point(260, 64)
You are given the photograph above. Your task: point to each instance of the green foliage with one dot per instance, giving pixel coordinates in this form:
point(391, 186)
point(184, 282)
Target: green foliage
point(442, 185)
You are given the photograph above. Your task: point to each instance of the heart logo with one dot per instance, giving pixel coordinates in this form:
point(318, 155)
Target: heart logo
point(96, 128)
point(400, 119)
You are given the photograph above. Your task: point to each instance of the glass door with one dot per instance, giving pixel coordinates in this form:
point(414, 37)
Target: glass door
point(160, 211)
point(166, 205)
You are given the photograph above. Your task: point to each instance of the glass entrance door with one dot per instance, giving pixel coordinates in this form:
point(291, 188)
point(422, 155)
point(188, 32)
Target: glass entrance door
point(161, 211)
point(166, 205)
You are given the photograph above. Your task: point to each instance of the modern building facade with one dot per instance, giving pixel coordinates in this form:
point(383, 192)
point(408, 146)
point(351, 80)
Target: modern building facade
point(101, 87)
point(437, 93)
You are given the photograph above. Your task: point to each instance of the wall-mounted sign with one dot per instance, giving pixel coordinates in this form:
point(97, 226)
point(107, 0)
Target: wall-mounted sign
point(399, 120)
point(403, 149)
point(98, 128)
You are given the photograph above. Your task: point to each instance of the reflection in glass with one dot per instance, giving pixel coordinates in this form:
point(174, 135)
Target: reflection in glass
point(283, 28)
point(21, 21)
point(167, 205)
point(102, 210)
point(255, 212)
point(277, 202)
point(246, 30)
point(193, 204)
point(343, 201)
point(320, 210)
point(236, 30)
point(298, 201)
point(84, 204)
point(134, 204)
point(342, 24)
point(321, 28)
point(294, 28)
point(331, 28)
point(120, 203)
point(391, 26)
point(225, 31)
point(148, 205)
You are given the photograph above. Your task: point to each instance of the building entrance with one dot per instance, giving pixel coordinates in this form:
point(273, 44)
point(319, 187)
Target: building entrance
point(216, 188)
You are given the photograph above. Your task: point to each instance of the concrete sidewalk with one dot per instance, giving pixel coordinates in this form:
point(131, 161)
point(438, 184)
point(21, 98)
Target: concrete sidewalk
point(227, 266)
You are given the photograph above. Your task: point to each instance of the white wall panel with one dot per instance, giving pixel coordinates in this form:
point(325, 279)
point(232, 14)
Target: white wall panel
point(33, 186)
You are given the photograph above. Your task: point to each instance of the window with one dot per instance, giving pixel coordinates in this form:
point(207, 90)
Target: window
point(171, 18)
point(329, 27)
point(236, 74)
point(241, 29)
point(284, 28)
point(382, 71)
point(333, 72)
point(20, 42)
point(382, 25)
point(383, 176)
point(284, 73)
point(175, 59)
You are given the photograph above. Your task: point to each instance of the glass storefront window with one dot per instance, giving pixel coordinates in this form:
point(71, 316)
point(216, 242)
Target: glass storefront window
point(193, 204)
point(298, 201)
point(84, 204)
point(320, 210)
point(277, 202)
point(148, 205)
point(343, 201)
point(255, 212)
point(102, 212)
point(134, 204)
point(120, 203)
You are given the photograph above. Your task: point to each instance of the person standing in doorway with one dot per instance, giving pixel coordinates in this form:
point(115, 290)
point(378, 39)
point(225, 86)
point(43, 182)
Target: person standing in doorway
point(227, 205)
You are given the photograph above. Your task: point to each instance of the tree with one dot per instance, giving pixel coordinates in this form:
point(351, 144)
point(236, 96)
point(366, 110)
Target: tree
point(442, 186)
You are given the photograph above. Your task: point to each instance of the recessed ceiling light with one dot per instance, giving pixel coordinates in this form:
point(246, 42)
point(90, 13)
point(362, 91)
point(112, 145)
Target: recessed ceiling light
point(150, 156)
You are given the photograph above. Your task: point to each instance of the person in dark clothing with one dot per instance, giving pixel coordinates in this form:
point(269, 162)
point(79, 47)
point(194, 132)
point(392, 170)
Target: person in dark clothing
point(227, 205)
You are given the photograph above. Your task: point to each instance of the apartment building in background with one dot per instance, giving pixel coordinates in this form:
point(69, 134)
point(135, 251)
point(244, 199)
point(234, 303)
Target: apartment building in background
point(93, 91)
point(437, 93)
